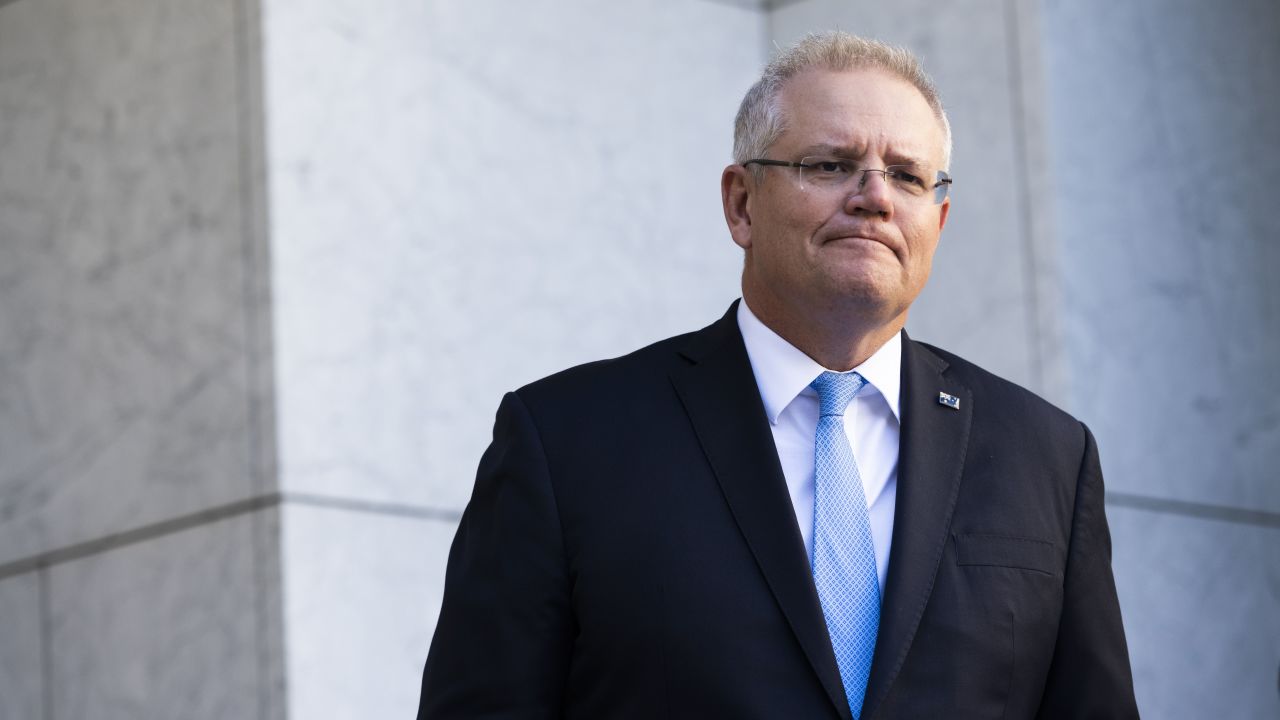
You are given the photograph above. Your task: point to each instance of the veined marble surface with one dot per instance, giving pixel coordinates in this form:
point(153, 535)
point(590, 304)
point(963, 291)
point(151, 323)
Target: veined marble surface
point(22, 653)
point(362, 592)
point(469, 196)
point(1166, 152)
point(175, 627)
point(124, 370)
point(1200, 600)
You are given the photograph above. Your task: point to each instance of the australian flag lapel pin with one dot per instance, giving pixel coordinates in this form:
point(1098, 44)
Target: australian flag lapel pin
point(950, 401)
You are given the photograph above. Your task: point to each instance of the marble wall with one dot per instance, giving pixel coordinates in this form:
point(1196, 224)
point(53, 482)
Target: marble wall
point(136, 541)
point(451, 219)
point(22, 646)
point(127, 394)
point(1164, 152)
point(363, 588)
point(447, 219)
point(1168, 237)
point(464, 198)
point(267, 266)
point(178, 626)
point(1200, 600)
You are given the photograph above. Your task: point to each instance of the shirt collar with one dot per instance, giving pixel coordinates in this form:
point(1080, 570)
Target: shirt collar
point(782, 371)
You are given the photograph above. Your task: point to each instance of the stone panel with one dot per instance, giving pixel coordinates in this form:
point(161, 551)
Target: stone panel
point(123, 345)
point(1201, 604)
point(1165, 151)
point(21, 647)
point(468, 196)
point(174, 627)
point(362, 592)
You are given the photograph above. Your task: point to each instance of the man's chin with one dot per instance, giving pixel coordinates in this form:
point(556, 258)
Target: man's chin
point(869, 293)
point(871, 279)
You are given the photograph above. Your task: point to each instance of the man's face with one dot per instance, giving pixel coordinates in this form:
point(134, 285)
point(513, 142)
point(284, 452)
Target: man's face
point(868, 249)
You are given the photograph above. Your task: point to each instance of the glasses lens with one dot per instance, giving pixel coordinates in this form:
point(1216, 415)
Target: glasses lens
point(942, 188)
point(825, 173)
point(907, 180)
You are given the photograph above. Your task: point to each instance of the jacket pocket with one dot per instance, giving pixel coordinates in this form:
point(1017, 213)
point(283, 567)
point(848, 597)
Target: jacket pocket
point(1008, 551)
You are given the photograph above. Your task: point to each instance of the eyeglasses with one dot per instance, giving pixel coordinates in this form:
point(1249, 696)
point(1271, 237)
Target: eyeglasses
point(833, 174)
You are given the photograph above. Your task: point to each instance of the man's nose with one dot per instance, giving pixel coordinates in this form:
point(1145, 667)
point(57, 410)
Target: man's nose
point(871, 194)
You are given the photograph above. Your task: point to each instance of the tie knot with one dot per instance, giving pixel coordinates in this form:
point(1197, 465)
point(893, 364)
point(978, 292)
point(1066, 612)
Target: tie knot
point(836, 391)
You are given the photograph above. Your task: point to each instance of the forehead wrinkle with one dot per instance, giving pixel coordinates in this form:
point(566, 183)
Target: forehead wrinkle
point(855, 152)
point(851, 152)
point(901, 158)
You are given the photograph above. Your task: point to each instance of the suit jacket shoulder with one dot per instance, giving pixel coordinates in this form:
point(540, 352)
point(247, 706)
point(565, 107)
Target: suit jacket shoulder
point(1008, 397)
point(632, 390)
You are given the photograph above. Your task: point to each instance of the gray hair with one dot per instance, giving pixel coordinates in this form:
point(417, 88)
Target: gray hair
point(760, 119)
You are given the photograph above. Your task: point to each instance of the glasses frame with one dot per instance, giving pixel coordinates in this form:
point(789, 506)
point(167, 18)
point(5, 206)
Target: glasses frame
point(941, 187)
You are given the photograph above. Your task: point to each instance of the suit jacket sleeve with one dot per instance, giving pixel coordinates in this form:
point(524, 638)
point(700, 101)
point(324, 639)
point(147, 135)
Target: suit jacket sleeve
point(503, 640)
point(1089, 676)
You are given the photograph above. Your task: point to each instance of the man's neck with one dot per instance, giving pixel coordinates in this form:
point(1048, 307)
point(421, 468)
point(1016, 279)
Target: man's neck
point(838, 337)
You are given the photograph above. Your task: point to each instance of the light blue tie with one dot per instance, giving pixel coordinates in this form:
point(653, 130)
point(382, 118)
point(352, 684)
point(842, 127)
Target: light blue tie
point(844, 558)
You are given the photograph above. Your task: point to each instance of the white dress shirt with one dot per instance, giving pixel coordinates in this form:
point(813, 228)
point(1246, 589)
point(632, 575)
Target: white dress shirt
point(783, 374)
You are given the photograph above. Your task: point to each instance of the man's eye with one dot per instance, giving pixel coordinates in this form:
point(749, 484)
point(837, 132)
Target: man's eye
point(833, 167)
point(907, 177)
point(826, 171)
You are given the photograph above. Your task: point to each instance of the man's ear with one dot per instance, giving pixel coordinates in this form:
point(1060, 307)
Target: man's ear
point(943, 212)
point(735, 192)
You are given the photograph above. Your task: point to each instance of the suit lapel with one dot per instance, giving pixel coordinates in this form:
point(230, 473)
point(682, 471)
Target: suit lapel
point(720, 395)
point(931, 453)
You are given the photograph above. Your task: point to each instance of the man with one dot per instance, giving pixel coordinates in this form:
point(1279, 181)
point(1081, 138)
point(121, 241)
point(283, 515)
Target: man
point(796, 512)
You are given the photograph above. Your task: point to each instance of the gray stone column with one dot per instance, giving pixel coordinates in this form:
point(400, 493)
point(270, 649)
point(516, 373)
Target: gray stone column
point(464, 197)
point(1165, 152)
point(266, 268)
point(139, 563)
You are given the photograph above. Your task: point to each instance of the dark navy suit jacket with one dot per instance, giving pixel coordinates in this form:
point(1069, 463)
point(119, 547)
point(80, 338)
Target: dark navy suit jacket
point(630, 551)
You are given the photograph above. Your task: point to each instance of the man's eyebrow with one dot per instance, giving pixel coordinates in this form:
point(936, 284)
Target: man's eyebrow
point(904, 159)
point(857, 153)
point(841, 151)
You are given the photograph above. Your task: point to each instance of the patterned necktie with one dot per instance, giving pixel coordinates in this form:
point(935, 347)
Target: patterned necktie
point(843, 559)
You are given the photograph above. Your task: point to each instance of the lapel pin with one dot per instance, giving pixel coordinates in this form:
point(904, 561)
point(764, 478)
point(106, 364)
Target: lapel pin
point(950, 401)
